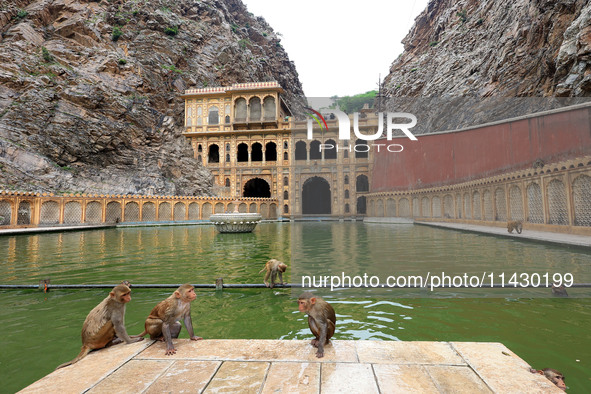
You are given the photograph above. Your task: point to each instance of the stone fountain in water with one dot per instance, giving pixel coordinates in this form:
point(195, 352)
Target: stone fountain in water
point(235, 222)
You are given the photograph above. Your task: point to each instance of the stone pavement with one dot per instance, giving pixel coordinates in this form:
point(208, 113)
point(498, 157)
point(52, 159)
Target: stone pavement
point(290, 366)
point(543, 236)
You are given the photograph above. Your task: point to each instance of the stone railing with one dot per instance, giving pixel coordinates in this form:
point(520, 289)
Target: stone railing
point(555, 197)
point(25, 209)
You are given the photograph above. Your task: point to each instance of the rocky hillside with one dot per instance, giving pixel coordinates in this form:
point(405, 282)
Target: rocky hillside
point(89, 90)
point(495, 48)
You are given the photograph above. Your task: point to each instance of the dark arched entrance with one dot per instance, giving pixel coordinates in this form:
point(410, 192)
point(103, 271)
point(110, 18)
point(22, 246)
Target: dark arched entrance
point(316, 197)
point(257, 187)
point(361, 205)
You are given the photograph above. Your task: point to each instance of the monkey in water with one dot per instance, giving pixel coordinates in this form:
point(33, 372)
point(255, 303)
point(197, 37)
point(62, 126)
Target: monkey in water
point(321, 319)
point(274, 267)
point(514, 225)
point(552, 375)
point(163, 323)
point(105, 326)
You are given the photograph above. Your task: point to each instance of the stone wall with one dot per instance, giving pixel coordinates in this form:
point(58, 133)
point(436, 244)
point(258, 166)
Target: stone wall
point(474, 153)
point(556, 197)
point(18, 209)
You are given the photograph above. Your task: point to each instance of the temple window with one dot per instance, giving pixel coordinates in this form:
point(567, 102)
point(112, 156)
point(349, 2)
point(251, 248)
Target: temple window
point(213, 117)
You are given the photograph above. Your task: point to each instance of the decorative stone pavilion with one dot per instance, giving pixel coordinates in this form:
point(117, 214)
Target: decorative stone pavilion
point(248, 138)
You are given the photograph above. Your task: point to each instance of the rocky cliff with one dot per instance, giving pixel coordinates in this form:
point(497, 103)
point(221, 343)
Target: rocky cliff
point(494, 48)
point(89, 90)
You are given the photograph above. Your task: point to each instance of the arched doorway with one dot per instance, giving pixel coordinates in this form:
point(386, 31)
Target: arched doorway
point(256, 187)
point(362, 184)
point(300, 151)
point(361, 205)
point(316, 197)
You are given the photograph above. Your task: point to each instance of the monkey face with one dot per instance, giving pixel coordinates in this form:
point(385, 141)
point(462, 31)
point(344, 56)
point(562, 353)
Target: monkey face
point(558, 380)
point(303, 306)
point(126, 297)
point(190, 295)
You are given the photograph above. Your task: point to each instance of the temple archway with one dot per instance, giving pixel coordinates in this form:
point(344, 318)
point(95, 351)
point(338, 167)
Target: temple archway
point(256, 187)
point(316, 197)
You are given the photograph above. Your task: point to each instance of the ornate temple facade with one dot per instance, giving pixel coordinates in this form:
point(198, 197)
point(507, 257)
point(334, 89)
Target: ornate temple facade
point(248, 138)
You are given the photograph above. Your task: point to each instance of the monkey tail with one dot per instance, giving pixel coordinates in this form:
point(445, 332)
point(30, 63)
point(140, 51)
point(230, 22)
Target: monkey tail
point(83, 352)
point(264, 269)
point(143, 334)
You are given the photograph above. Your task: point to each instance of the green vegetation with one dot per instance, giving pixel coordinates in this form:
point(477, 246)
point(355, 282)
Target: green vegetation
point(463, 15)
point(116, 33)
point(171, 31)
point(22, 14)
point(242, 43)
point(350, 104)
point(122, 62)
point(172, 68)
point(234, 27)
point(46, 55)
point(433, 43)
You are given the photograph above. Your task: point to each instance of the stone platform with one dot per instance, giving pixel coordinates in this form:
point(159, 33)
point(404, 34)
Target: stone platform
point(290, 366)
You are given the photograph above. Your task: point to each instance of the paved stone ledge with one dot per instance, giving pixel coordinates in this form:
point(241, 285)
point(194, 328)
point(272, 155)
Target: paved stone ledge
point(388, 220)
point(273, 366)
point(54, 229)
point(583, 241)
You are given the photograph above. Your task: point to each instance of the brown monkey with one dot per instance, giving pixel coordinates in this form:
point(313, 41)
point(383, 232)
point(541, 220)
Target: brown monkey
point(552, 375)
point(104, 326)
point(163, 323)
point(321, 319)
point(273, 268)
point(514, 225)
point(559, 291)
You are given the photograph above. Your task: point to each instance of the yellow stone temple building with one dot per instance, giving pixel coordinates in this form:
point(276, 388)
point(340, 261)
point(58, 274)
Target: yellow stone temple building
point(246, 135)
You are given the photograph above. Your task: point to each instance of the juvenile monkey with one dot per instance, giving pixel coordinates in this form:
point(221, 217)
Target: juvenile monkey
point(552, 375)
point(105, 326)
point(273, 268)
point(514, 225)
point(321, 319)
point(163, 322)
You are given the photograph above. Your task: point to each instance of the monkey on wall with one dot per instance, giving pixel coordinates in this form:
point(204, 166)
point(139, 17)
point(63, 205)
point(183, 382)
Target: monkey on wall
point(321, 319)
point(163, 323)
point(514, 225)
point(552, 375)
point(559, 291)
point(105, 326)
point(274, 268)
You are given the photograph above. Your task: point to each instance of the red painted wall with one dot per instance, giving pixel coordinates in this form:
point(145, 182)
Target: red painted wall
point(453, 157)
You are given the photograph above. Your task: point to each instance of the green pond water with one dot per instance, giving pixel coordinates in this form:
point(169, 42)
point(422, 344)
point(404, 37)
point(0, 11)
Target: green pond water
point(40, 330)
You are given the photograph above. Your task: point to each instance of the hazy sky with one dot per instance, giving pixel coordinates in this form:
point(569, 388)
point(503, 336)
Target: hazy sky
point(340, 47)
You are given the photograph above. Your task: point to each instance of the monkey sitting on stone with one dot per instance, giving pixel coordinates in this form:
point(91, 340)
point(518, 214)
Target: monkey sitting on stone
point(105, 326)
point(552, 375)
point(321, 320)
point(514, 225)
point(274, 268)
point(163, 322)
